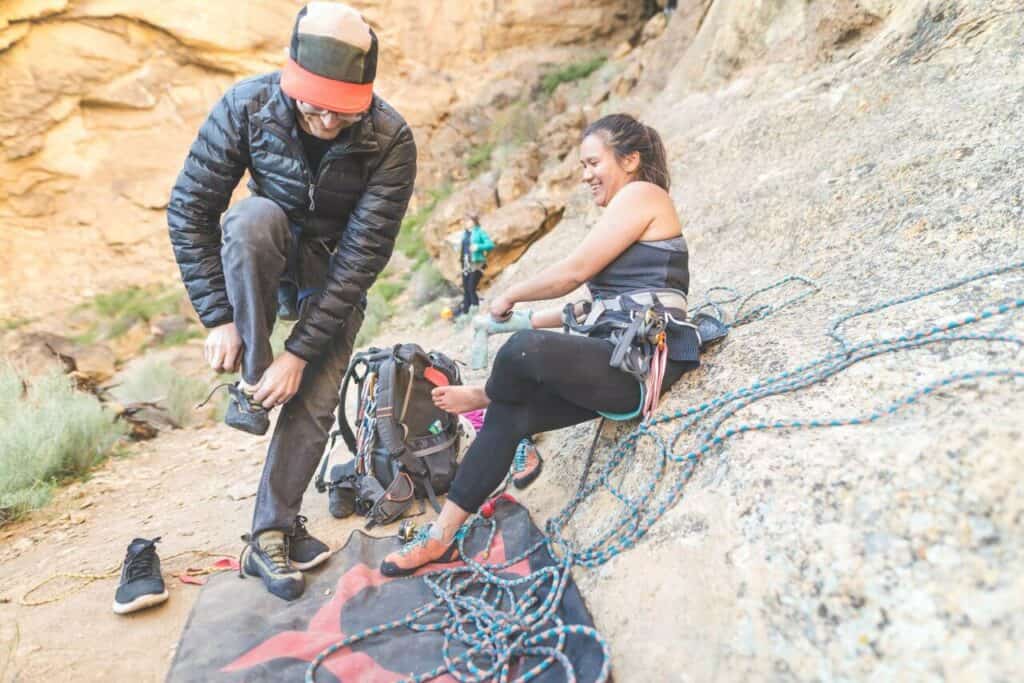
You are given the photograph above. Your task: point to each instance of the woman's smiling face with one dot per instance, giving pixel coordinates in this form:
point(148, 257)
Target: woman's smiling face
point(603, 173)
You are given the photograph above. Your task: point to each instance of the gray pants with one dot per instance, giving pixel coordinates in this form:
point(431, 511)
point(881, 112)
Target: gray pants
point(257, 239)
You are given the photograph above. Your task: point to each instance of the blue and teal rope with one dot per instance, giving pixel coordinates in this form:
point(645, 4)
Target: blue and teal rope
point(489, 631)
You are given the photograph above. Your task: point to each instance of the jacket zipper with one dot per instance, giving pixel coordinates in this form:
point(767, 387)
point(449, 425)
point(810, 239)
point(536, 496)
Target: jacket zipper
point(280, 133)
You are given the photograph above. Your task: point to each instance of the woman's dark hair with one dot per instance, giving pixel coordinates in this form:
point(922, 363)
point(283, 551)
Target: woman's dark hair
point(626, 135)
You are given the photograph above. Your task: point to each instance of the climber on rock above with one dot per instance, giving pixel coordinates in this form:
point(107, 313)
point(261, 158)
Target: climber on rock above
point(544, 380)
point(331, 169)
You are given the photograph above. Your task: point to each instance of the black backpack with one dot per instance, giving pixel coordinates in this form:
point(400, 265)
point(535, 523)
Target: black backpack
point(405, 448)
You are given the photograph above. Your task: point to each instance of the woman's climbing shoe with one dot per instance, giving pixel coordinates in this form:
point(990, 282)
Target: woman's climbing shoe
point(527, 464)
point(428, 546)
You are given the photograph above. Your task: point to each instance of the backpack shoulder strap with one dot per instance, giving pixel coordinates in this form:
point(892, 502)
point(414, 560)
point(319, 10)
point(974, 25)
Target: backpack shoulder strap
point(343, 429)
point(389, 430)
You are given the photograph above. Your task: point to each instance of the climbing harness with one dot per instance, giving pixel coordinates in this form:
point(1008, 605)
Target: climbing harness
point(488, 629)
point(646, 328)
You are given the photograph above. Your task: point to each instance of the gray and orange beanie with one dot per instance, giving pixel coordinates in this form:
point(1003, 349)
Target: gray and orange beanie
point(332, 60)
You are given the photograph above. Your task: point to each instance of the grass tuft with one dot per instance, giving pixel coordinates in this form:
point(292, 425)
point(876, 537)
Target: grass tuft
point(410, 237)
point(479, 158)
point(123, 308)
point(157, 381)
point(378, 310)
point(47, 434)
point(570, 73)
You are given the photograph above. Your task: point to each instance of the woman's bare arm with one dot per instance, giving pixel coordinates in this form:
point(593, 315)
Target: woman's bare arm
point(624, 222)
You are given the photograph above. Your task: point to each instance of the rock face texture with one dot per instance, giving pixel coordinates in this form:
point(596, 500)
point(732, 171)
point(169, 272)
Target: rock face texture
point(103, 97)
point(871, 145)
point(875, 148)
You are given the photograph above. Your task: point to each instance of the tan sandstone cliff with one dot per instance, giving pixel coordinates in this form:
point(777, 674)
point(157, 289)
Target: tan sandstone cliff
point(102, 97)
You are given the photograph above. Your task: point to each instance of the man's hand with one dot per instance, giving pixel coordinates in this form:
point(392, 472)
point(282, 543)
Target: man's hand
point(281, 380)
point(223, 349)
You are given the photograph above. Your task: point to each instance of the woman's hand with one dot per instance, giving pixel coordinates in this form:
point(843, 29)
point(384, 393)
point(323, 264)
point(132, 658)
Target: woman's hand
point(281, 380)
point(501, 308)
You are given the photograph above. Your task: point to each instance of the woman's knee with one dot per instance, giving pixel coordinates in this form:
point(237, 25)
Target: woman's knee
point(519, 350)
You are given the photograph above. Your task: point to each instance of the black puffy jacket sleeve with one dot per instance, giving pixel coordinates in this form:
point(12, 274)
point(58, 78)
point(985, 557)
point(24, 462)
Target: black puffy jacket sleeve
point(215, 164)
point(363, 250)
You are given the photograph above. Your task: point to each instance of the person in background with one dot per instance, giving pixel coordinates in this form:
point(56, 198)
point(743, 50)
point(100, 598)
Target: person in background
point(474, 248)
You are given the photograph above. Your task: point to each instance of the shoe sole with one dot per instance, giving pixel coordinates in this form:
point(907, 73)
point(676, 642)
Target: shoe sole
point(141, 602)
point(392, 570)
point(526, 481)
point(315, 562)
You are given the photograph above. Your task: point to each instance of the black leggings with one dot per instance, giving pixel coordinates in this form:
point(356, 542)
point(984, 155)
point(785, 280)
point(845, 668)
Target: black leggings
point(470, 280)
point(541, 381)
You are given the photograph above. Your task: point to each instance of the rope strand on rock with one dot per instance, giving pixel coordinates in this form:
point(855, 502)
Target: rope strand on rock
point(488, 631)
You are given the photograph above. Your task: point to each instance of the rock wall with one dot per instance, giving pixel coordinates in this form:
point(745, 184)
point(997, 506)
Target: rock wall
point(873, 147)
point(103, 97)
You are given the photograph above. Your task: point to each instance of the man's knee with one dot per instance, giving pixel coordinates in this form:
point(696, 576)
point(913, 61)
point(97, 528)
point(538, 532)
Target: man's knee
point(257, 221)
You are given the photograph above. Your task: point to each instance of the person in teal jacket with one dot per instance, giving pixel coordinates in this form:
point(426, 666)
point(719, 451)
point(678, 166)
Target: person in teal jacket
point(476, 245)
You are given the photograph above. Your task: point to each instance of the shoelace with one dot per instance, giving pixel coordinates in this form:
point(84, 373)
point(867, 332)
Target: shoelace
point(142, 563)
point(299, 530)
point(250, 404)
point(519, 462)
point(212, 392)
point(277, 553)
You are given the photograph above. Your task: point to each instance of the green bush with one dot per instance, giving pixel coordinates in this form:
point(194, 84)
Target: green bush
point(410, 237)
point(49, 433)
point(570, 73)
point(377, 311)
point(388, 289)
point(479, 157)
point(157, 381)
point(427, 284)
point(123, 308)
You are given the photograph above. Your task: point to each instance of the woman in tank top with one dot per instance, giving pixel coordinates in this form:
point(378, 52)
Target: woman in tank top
point(543, 380)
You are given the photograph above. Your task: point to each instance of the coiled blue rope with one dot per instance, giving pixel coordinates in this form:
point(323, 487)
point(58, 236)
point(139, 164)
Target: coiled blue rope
point(488, 630)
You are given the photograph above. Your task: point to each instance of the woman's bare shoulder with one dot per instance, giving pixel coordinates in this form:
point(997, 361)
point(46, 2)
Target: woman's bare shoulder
point(644, 195)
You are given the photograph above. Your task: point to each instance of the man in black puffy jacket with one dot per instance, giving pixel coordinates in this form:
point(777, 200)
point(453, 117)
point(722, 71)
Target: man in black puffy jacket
point(331, 170)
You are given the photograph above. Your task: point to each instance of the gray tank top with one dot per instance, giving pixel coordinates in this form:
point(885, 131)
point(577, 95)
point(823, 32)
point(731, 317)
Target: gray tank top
point(644, 265)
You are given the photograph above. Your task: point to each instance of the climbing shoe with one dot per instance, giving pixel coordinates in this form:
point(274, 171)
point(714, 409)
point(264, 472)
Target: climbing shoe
point(305, 550)
point(428, 546)
point(526, 465)
point(141, 584)
point(245, 413)
point(266, 557)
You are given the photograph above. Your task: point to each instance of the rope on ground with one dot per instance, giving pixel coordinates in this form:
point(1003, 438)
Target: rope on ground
point(488, 630)
point(84, 579)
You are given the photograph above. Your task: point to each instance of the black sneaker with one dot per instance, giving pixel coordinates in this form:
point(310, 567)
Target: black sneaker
point(305, 550)
point(246, 414)
point(141, 584)
point(266, 556)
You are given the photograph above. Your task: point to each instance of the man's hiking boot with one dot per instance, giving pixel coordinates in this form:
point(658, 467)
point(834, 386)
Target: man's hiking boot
point(141, 584)
point(526, 465)
point(305, 550)
point(266, 556)
point(244, 413)
point(428, 546)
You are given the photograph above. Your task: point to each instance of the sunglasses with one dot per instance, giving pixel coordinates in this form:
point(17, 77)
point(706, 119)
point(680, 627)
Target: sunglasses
point(310, 110)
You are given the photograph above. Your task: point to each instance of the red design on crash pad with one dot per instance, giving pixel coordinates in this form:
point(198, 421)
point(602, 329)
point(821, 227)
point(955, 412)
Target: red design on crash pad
point(325, 626)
